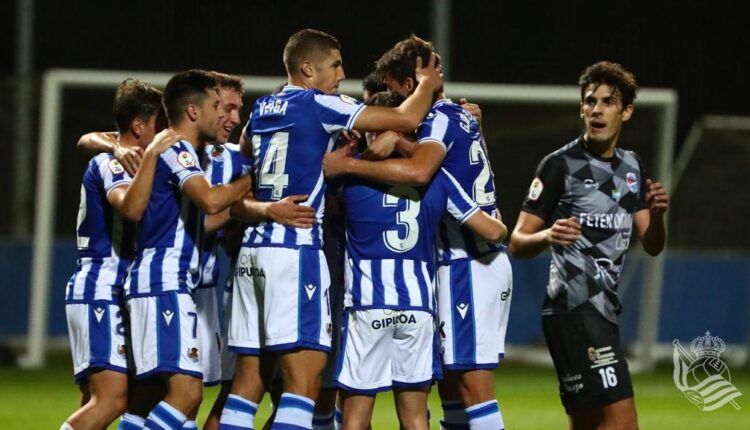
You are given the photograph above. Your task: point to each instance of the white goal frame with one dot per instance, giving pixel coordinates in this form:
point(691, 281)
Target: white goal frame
point(55, 81)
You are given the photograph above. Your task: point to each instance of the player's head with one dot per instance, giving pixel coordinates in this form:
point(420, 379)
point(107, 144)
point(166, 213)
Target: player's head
point(136, 107)
point(390, 99)
point(371, 85)
point(231, 89)
point(608, 91)
point(314, 58)
point(191, 99)
point(396, 68)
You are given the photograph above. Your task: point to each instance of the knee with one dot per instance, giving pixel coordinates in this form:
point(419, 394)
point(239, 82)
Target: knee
point(194, 397)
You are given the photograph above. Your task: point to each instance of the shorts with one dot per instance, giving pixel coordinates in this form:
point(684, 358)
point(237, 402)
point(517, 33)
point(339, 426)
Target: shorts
point(210, 337)
point(97, 337)
point(590, 365)
point(473, 307)
point(280, 301)
point(164, 334)
point(385, 348)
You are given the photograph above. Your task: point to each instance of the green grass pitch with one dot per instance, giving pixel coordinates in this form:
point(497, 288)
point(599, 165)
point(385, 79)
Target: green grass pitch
point(42, 399)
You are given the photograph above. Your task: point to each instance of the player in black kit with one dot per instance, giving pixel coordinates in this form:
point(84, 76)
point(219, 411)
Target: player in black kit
point(583, 203)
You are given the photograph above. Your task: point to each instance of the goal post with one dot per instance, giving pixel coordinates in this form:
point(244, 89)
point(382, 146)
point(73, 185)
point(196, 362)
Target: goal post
point(56, 81)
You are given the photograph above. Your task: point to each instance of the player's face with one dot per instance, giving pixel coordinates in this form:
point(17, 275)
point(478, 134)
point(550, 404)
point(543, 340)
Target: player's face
point(148, 131)
point(328, 72)
point(403, 89)
point(603, 114)
point(230, 105)
point(210, 117)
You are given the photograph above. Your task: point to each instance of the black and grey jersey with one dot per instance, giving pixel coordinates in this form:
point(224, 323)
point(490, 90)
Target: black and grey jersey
point(603, 194)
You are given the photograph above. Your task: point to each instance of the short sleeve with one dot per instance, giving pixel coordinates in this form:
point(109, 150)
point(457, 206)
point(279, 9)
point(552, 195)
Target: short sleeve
point(112, 173)
point(641, 202)
point(434, 128)
point(241, 164)
point(459, 204)
point(546, 188)
point(337, 112)
point(182, 162)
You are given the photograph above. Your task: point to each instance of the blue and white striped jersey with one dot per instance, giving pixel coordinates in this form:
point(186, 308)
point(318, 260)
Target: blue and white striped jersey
point(290, 132)
point(222, 165)
point(391, 240)
point(170, 230)
point(466, 159)
point(106, 242)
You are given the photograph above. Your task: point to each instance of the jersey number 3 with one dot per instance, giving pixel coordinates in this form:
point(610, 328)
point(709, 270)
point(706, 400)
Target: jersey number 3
point(406, 218)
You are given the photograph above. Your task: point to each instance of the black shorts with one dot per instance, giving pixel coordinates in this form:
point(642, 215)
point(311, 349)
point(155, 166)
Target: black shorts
point(590, 365)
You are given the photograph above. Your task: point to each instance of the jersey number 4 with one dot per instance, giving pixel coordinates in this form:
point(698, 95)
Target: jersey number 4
point(274, 164)
point(406, 218)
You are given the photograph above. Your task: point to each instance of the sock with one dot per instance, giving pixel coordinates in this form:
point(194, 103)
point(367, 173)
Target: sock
point(324, 422)
point(454, 416)
point(338, 419)
point(164, 417)
point(190, 425)
point(485, 416)
point(66, 426)
point(294, 413)
point(131, 422)
point(238, 414)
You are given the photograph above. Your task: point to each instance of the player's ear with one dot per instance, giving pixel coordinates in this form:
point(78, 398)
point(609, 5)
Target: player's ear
point(627, 112)
point(136, 127)
point(581, 111)
point(191, 111)
point(307, 70)
point(409, 85)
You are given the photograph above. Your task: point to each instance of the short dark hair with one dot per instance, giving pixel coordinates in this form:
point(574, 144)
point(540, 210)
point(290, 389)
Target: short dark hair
point(372, 84)
point(613, 75)
point(400, 62)
point(135, 99)
point(230, 82)
point(184, 88)
point(304, 43)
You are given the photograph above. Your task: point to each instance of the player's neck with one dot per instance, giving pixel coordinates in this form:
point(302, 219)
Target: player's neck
point(603, 149)
point(127, 140)
point(189, 134)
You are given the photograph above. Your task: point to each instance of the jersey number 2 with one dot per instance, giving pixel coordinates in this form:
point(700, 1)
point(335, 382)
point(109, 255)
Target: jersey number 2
point(274, 164)
point(406, 218)
point(476, 156)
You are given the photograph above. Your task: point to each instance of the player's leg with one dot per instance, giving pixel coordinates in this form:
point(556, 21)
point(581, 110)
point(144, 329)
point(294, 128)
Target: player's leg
point(227, 360)
point(412, 366)
point(411, 406)
point(108, 400)
point(357, 410)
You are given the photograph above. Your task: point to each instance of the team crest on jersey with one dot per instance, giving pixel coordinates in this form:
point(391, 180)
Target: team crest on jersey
point(536, 188)
point(193, 354)
point(216, 151)
point(122, 351)
point(186, 159)
point(347, 99)
point(632, 181)
point(115, 167)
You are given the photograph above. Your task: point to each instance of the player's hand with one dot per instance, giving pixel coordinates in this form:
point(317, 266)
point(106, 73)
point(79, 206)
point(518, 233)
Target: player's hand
point(289, 212)
point(472, 108)
point(163, 141)
point(432, 74)
point(382, 147)
point(564, 232)
point(335, 162)
point(656, 198)
point(130, 158)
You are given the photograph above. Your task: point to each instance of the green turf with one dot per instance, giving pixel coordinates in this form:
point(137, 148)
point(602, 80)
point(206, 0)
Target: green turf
point(42, 399)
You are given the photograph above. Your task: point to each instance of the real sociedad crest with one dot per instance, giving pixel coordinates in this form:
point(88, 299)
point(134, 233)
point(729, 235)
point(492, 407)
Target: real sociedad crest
point(701, 375)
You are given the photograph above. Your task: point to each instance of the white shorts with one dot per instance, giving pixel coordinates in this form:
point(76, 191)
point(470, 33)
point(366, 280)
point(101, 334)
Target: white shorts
point(164, 334)
point(210, 334)
point(228, 358)
point(97, 337)
point(384, 348)
point(473, 306)
point(280, 301)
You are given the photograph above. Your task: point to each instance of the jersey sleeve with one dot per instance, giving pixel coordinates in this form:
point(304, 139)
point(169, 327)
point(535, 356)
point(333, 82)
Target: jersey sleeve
point(435, 129)
point(641, 202)
point(112, 173)
point(337, 112)
point(459, 204)
point(546, 188)
point(241, 164)
point(182, 162)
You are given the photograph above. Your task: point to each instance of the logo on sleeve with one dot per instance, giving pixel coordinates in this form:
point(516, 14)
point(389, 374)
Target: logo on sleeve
point(535, 190)
point(632, 181)
point(115, 167)
point(347, 99)
point(186, 159)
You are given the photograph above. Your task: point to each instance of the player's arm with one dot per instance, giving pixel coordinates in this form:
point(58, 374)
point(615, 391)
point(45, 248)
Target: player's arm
point(287, 211)
point(98, 142)
point(649, 222)
point(214, 222)
point(406, 117)
point(416, 170)
point(131, 201)
point(489, 228)
point(213, 200)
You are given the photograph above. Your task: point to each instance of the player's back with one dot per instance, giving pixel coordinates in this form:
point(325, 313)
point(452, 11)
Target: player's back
point(105, 240)
point(290, 132)
point(170, 230)
point(467, 161)
point(391, 240)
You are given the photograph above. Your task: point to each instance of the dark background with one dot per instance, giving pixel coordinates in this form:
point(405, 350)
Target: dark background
point(699, 49)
